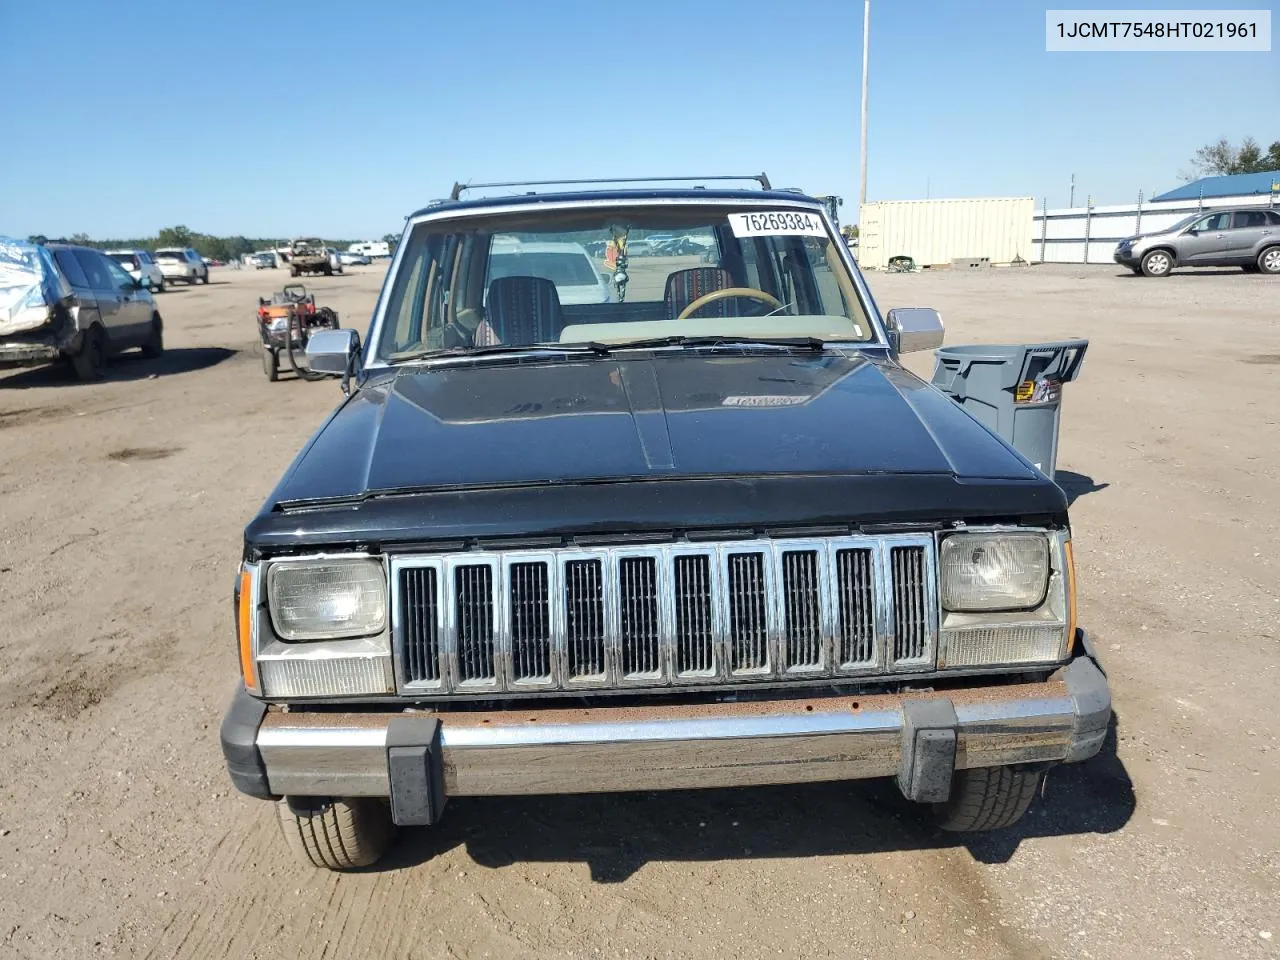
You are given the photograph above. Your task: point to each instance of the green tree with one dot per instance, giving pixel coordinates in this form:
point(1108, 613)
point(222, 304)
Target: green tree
point(391, 240)
point(1223, 159)
point(174, 237)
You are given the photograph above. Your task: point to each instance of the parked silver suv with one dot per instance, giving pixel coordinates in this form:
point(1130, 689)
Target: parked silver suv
point(1242, 237)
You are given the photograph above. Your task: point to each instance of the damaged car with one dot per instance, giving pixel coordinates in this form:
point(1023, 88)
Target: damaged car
point(66, 303)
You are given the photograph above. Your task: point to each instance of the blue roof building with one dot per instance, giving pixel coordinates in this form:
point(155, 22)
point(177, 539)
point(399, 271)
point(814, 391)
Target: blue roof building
point(1237, 185)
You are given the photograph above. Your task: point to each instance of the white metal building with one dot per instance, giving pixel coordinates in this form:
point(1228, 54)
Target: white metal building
point(934, 232)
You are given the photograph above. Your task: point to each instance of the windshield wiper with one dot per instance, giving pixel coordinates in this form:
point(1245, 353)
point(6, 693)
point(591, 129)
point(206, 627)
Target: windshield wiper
point(801, 343)
point(498, 349)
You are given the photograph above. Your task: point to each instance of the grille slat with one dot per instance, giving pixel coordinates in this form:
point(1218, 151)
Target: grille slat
point(748, 613)
point(687, 613)
point(695, 638)
point(802, 599)
point(638, 616)
point(473, 606)
point(910, 629)
point(530, 622)
point(584, 618)
point(418, 586)
point(856, 615)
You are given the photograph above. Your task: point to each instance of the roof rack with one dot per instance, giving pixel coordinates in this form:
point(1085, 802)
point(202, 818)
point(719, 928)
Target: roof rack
point(456, 193)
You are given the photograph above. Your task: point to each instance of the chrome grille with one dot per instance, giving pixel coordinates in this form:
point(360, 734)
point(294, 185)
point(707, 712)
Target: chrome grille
point(910, 619)
point(685, 613)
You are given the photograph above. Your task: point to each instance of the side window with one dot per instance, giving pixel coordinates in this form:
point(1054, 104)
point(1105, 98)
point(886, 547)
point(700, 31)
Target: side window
point(119, 278)
point(95, 268)
point(70, 268)
point(1248, 218)
point(1273, 218)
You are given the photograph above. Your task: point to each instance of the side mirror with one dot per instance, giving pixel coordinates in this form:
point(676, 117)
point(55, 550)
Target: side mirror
point(912, 329)
point(333, 351)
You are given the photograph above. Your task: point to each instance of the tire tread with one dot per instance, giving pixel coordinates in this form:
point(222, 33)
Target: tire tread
point(989, 798)
point(339, 835)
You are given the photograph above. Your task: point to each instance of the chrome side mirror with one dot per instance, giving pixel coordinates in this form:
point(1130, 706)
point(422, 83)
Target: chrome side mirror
point(914, 328)
point(333, 352)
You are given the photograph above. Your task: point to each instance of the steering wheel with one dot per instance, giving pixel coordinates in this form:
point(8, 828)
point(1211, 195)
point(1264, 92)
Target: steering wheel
point(726, 294)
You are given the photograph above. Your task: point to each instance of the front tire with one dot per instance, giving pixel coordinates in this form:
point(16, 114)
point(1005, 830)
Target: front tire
point(1157, 263)
point(988, 798)
point(205, 278)
point(154, 345)
point(337, 834)
point(1269, 260)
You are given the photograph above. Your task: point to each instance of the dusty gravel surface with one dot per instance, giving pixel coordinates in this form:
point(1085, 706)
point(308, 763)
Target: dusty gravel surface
point(121, 507)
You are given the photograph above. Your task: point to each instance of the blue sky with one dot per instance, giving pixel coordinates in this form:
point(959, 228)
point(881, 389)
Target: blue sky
point(252, 118)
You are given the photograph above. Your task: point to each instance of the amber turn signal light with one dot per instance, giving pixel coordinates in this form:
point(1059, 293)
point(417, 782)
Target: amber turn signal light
point(1071, 599)
point(244, 622)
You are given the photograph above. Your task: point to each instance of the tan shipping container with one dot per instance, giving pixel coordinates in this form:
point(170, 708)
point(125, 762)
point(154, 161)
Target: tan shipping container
point(934, 232)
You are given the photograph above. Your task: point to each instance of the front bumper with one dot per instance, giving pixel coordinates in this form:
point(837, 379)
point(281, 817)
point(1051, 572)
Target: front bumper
point(921, 738)
point(1126, 256)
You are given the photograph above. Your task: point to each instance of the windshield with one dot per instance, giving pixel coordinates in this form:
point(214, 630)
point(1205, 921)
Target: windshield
point(126, 260)
point(170, 255)
point(590, 276)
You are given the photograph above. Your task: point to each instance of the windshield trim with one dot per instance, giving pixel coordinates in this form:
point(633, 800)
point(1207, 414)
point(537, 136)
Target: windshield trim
point(371, 363)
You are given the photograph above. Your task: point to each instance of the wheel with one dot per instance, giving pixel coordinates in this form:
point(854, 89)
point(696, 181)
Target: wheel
point(270, 364)
point(92, 358)
point(160, 288)
point(988, 798)
point(337, 834)
point(154, 345)
point(293, 271)
point(1157, 263)
point(205, 278)
point(1269, 260)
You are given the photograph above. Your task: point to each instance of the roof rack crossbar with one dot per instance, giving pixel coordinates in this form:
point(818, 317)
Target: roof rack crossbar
point(456, 193)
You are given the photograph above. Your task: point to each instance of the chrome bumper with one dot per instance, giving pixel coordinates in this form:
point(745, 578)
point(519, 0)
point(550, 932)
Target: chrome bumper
point(537, 751)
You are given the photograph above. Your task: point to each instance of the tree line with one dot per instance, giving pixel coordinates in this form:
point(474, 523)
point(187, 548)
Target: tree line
point(1223, 159)
point(207, 245)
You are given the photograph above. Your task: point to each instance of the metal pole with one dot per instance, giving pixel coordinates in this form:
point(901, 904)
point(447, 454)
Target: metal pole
point(1072, 201)
point(866, 47)
point(1044, 226)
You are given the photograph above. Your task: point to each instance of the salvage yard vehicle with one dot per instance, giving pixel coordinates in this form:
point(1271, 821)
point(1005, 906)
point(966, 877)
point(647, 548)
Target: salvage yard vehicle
point(140, 265)
point(182, 263)
point(713, 535)
point(1245, 237)
point(309, 257)
point(286, 321)
point(60, 302)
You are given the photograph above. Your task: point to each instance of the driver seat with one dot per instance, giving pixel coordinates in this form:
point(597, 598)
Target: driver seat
point(686, 286)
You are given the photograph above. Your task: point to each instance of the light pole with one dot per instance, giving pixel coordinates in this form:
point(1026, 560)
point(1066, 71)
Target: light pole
point(866, 46)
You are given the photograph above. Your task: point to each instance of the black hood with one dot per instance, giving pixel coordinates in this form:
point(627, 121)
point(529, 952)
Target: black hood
point(678, 416)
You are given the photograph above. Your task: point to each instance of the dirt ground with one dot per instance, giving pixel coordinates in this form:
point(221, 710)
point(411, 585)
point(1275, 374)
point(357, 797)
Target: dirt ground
point(121, 509)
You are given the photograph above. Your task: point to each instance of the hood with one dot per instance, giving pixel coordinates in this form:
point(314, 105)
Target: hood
point(658, 416)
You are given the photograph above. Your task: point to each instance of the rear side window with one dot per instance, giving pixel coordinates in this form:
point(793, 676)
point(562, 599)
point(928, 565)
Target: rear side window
point(70, 268)
point(1273, 218)
point(1249, 218)
point(95, 268)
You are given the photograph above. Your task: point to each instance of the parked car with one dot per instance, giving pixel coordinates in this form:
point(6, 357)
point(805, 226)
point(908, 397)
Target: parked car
point(266, 260)
point(351, 258)
point(1247, 237)
point(335, 261)
point(182, 263)
point(567, 265)
point(140, 265)
point(713, 535)
point(60, 302)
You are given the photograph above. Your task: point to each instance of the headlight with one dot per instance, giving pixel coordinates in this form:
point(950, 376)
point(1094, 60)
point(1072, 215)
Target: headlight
point(991, 572)
point(327, 599)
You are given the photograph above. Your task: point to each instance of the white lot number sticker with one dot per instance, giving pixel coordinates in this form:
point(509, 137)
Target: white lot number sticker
point(777, 223)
